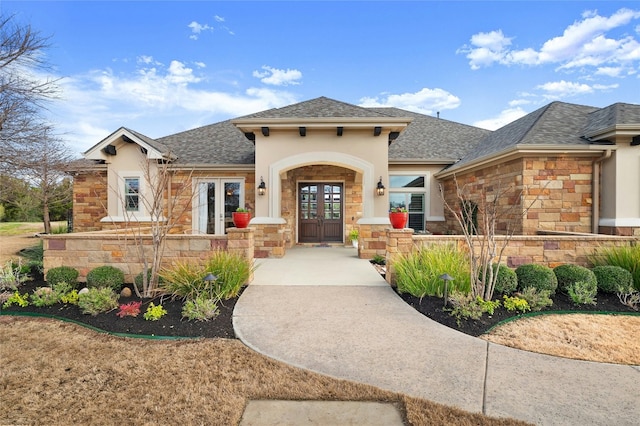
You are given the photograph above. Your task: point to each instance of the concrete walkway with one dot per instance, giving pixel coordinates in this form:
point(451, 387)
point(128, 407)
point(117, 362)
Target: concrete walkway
point(355, 327)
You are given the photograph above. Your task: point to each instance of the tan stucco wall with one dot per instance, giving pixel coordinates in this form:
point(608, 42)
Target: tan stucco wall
point(620, 202)
point(357, 150)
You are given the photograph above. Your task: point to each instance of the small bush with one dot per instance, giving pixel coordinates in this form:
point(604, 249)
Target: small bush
point(538, 276)
point(515, 303)
point(131, 309)
point(60, 274)
point(200, 309)
point(11, 276)
point(570, 274)
point(186, 280)
point(613, 279)
point(536, 299)
point(44, 296)
point(16, 298)
point(624, 257)
point(465, 306)
point(418, 273)
point(583, 292)
point(507, 280)
point(630, 299)
point(106, 276)
point(97, 300)
point(378, 259)
point(154, 312)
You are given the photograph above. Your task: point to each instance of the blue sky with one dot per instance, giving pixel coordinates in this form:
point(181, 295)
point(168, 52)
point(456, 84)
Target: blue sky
point(160, 67)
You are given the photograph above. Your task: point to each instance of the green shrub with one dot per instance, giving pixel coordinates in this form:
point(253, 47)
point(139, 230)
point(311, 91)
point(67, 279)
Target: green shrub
point(200, 309)
point(60, 274)
point(507, 280)
point(186, 280)
point(16, 298)
point(583, 292)
point(570, 274)
point(11, 276)
point(624, 257)
point(233, 271)
point(515, 303)
point(538, 276)
point(106, 276)
point(378, 259)
point(418, 273)
point(97, 300)
point(44, 296)
point(536, 299)
point(613, 279)
point(154, 312)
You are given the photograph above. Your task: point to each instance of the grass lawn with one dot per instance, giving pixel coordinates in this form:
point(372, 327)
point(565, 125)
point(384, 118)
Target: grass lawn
point(8, 229)
point(59, 373)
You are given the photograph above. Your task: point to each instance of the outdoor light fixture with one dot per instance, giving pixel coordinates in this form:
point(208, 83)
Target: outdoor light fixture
point(380, 187)
point(209, 278)
point(262, 188)
point(446, 278)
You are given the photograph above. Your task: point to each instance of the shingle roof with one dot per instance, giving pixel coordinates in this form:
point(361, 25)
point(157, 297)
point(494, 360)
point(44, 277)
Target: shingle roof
point(318, 108)
point(616, 114)
point(557, 123)
point(220, 143)
point(430, 138)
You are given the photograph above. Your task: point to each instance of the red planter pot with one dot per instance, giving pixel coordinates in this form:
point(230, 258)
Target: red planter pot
point(241, 219)
point(398, 219)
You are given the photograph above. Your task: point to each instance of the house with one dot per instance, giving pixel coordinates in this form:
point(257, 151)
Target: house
point(312, 171)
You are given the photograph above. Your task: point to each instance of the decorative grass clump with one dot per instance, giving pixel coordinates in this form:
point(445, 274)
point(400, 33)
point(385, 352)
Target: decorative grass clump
point(627, 257)
point(61, 274)
point(539, 277)
point(186, 280)
point(106, 276)
point(507, 280)
point(568, 275)
point(418, 273)
point(613, 279)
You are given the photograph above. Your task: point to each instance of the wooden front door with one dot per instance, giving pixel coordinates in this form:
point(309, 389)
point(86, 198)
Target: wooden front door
point(320, 212)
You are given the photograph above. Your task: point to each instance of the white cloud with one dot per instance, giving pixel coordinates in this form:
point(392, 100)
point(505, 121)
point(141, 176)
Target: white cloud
point(582, 44)
point(610, 71)
point(156, 101)
point(564, 89)
point(506, 116)
point(426, 101)
point(197, 28)
point(278, 77)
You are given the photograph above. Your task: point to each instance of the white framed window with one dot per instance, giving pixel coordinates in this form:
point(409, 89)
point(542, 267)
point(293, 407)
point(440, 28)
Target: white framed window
point(214, 202)
point(409, 190)
point(132, 194)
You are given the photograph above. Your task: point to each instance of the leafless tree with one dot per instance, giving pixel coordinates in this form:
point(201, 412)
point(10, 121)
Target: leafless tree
point(479, 214)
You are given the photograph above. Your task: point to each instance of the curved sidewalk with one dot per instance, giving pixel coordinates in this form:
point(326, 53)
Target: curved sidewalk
point(361, 330)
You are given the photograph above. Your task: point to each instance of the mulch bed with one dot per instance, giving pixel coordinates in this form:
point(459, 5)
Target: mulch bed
point(433, 308)
point(173, 325)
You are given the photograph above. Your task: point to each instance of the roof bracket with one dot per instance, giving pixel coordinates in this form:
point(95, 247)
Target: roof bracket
point(377, 131)
point(303, 131)
point(635, 141)
point(339, 130)
point(265, 131)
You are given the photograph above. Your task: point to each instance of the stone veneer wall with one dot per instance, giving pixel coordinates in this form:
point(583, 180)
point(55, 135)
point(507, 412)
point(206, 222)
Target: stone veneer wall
point(321, 173)
point(372, 240)
point(558, 191)
point(549, 250)
point(85, 251)
point(270, 240)
point(90, 199)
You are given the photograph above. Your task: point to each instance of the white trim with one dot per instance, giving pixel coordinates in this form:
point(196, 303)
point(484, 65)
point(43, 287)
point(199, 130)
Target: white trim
point(132, 218)
point(262, 220)
point(435, 219)
point(374, 221)
point(317, 158)
point(625, 221)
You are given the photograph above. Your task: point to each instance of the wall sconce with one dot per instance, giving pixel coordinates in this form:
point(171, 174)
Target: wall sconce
point(380, 187)
point(262, 188)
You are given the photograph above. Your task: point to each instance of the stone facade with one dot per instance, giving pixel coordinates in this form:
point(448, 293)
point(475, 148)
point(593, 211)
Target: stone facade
point(89, 200)
point(550, 193)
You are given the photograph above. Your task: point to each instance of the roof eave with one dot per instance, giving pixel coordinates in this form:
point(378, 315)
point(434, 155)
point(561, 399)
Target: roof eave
point(522, 150)
point(612, 131)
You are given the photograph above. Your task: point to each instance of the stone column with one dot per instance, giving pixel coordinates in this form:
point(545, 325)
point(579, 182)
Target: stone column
point(399, 241)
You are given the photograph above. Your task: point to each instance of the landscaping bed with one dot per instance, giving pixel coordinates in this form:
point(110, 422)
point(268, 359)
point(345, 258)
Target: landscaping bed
point(171, 324)
point(432, 307)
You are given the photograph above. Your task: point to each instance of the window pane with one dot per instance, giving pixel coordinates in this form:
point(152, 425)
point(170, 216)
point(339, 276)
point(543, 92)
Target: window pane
point(409, 181)
point(397, 200)
point(131, 191)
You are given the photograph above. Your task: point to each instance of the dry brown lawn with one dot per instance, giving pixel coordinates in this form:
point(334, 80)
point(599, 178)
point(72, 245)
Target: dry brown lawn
point(601, 338)
point(58, 373)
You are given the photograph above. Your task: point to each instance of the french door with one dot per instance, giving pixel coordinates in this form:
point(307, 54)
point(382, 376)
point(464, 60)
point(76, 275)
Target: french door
point(320, 211)
point(215, 201)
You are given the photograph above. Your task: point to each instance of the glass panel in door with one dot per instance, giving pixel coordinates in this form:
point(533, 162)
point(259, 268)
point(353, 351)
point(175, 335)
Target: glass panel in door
point(214, 210)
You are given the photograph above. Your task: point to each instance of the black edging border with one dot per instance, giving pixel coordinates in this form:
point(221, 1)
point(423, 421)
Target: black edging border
point(96, 329)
